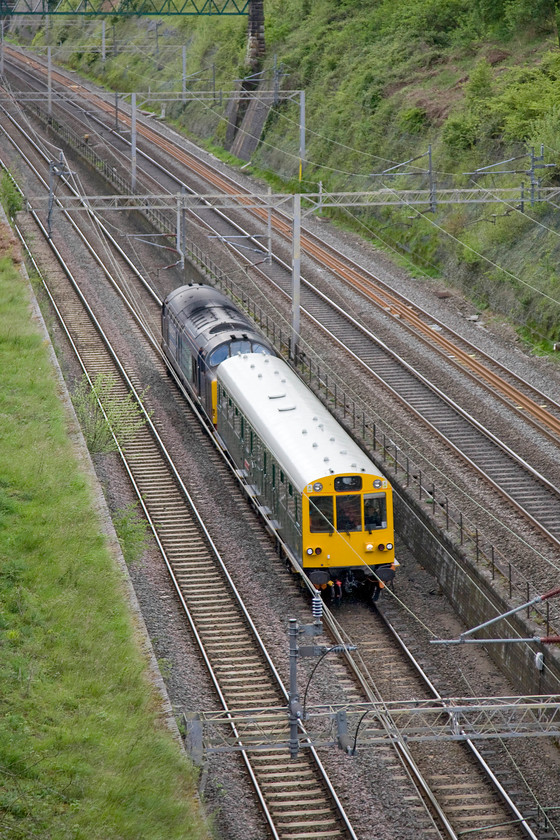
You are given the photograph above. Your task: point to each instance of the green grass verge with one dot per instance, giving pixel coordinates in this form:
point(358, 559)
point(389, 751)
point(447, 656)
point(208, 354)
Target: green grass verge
point(82, 751)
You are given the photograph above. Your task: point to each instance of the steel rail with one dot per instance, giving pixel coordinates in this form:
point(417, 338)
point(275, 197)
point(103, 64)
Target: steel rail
point(325, 779)
point(348, 269)
point(375, 697)
point(415, 773)
point(362, 282)
point(153, 527)
point(475, 424)
point(426, 790)
point(523, 509)
point(468, 742)
point(551, 488)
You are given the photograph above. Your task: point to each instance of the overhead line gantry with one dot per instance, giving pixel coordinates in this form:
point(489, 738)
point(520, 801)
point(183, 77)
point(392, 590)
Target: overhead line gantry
point(124, 8)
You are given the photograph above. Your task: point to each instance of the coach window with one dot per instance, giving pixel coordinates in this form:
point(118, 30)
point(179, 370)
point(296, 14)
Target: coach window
point(348, 513)
point(375, 511)
point(321, 514)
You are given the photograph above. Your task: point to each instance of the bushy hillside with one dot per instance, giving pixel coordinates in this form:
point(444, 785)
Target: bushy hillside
point(478, 81)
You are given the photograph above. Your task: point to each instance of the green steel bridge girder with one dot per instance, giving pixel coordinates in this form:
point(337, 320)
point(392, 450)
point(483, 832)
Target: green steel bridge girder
point(126, 8)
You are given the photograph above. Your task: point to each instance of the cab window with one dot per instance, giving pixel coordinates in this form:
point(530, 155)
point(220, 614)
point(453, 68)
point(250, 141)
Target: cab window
point(239, 347)
point(218, 355)
point(321, 514)
point(375, 511)
point(344, 483)
point(348, 513)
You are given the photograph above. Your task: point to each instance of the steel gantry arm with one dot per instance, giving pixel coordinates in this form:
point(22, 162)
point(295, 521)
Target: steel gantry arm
point(452, 719)
point(130, 8)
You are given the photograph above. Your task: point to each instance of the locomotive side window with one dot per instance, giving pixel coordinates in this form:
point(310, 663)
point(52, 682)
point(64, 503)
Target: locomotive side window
point(259, 348)
point(345, 483)
point(185, 360)
point(172, 338)
point(348, 513)
point(321, 514)
point(375, 511)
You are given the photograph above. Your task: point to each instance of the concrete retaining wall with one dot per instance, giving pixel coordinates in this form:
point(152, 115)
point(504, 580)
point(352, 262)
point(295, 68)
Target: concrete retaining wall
point(476, 598)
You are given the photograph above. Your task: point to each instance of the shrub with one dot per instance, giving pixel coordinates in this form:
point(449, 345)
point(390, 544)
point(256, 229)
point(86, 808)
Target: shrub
point(130, 526)
point(461, 131)
point(9, 195)
point(103, 412)
point(413, 120)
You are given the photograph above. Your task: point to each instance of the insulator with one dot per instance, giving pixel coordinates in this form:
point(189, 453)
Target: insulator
point(317, 606)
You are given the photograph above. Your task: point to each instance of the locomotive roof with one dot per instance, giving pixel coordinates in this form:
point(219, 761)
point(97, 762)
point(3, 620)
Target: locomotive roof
point(207, 314)
point(301, 433)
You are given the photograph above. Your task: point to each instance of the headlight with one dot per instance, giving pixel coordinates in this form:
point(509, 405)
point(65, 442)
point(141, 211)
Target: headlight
point(389, 546)
point(377, 483)
point(318, 487)
point(309, 551)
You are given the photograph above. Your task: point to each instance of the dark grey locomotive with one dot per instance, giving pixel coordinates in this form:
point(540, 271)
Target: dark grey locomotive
point(201, 328)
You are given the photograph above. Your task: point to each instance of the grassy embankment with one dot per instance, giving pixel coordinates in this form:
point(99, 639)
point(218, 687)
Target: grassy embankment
point(478, 81)
point(83, 753)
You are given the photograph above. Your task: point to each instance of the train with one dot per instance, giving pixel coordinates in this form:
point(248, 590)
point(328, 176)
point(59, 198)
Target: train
point(318, 491)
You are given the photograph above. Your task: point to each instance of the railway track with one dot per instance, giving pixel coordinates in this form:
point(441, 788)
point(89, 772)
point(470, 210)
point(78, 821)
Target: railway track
point(526, 496)
point(459, 777)
point(237, 682)
point(530, 493)
point(519, 395)
point(296, 796)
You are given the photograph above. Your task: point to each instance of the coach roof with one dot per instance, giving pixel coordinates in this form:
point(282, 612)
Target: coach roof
point(292, 422)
